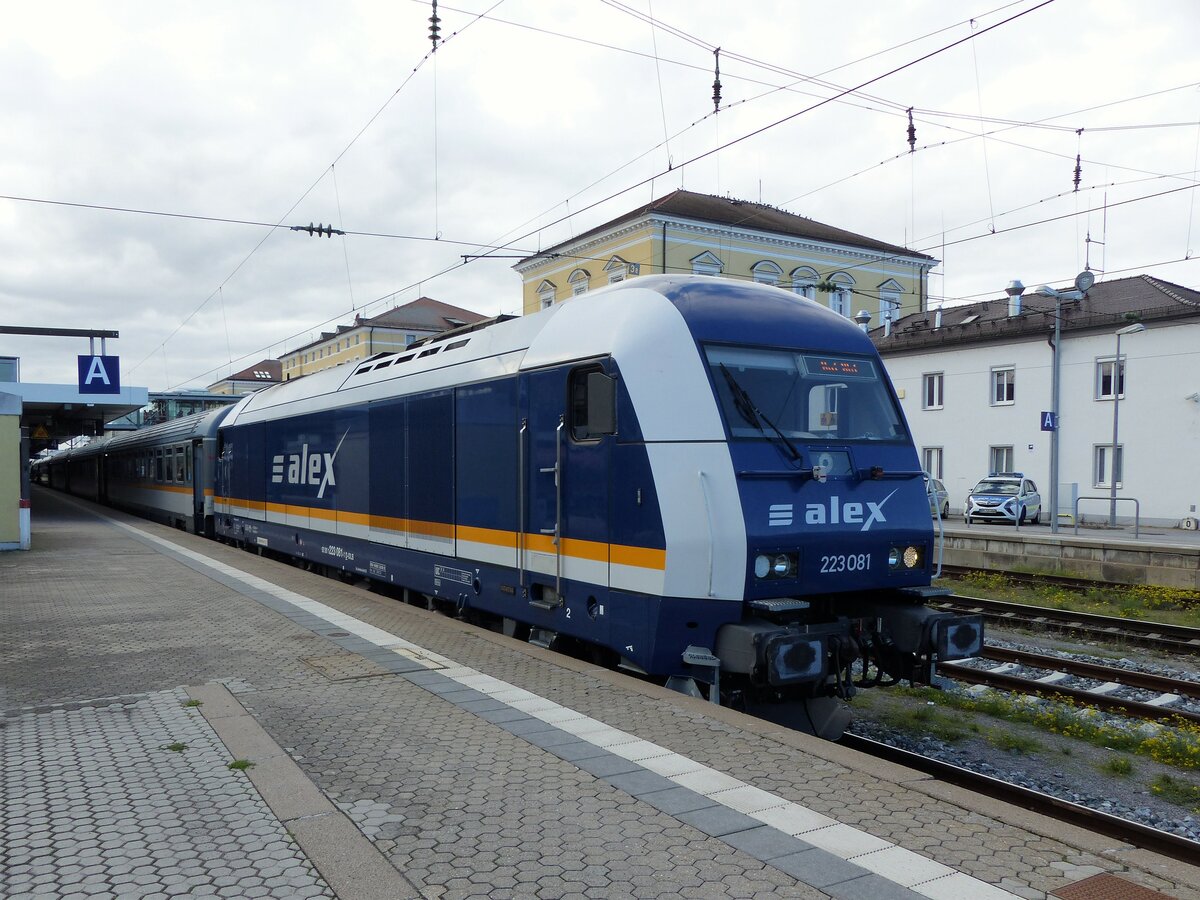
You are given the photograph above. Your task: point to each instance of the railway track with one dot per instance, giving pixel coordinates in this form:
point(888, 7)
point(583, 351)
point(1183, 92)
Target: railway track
point(1173, 638)
point(1138, 835)
point(1095, 685)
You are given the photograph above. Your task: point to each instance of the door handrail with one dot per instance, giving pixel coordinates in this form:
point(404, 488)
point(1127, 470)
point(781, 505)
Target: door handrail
point(521, 504)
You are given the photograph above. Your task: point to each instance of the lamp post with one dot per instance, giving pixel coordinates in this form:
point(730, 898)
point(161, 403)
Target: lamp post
point(1083, 282)
point(1118, 385)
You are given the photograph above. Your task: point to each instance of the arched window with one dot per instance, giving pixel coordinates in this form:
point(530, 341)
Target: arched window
point(766, 272)
point(840, 296)
point(579, 281)
point(804, 282)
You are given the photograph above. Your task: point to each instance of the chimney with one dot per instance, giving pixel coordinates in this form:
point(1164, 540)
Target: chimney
point(863, 318)
point(937, 318)
point(1014, 290)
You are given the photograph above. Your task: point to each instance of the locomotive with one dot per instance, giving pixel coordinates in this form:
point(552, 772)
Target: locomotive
point(706, 481)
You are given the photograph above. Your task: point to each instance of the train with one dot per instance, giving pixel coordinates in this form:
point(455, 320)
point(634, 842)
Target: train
point(704, 481)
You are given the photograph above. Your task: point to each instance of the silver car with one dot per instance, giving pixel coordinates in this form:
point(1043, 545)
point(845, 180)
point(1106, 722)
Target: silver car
point(939, 497)
point(1004, 497)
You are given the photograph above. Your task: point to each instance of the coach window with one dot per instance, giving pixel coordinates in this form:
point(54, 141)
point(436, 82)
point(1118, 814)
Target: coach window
point(187, 459)
point(593, 404)
point(180, 458)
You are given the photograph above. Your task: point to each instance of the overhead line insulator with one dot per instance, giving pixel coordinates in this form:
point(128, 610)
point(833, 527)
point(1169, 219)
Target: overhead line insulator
point(717, 80)
point(318, 230)
point(912, 133)
point(435, 27)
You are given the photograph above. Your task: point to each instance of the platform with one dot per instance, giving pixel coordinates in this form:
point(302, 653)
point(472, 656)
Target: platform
point(1169, 557)
point(381, 750)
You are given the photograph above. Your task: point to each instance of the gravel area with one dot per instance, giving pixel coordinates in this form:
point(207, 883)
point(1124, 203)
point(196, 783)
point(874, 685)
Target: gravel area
point(1057, 765)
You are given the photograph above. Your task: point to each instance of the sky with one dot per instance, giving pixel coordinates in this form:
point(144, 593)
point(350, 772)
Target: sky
point(150, 148)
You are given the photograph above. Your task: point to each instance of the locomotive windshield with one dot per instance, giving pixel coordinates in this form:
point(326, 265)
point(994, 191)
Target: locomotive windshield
point(776, 394)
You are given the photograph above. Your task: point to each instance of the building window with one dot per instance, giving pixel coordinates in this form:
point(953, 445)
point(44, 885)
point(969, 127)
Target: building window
point(931, 458)
point(804, 282)
point(1103, 465)
point(617, 269)
point(1003, 386)
point(707, 263)
point(889, 308)
point(578, 280)
point(933, 397)
point(1110, 378)
point(839, 297)
point(409, 338)
point(545, 293)
point(1000, 459)
point(766, 272)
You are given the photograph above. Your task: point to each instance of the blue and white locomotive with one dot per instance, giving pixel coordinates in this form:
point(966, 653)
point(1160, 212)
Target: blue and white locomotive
point(704, 480)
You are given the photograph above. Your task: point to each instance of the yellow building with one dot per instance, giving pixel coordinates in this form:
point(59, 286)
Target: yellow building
point(388, 332)
point(686, 232)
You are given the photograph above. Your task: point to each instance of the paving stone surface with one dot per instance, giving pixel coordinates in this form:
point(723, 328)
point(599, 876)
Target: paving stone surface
point(426, 770)
point(132, 797)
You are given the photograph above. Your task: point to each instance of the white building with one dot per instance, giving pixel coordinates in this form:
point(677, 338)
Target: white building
point(975, 381)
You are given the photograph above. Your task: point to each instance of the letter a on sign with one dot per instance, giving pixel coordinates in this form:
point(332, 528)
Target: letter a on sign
point(99, 375)
point(1049, 421)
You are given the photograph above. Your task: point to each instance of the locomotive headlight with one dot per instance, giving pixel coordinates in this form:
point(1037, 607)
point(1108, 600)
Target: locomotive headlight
point(773, 566)
point(910, 556)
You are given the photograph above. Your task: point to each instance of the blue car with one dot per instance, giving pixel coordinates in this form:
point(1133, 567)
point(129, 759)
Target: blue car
point(1004, 497)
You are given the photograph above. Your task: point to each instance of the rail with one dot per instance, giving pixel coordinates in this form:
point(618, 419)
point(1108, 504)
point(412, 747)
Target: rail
point(1176, 638)
point(1137, 511)
point(1143, 836)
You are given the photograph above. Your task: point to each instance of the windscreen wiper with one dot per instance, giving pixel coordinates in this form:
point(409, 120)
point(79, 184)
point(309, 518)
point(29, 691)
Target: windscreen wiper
point(752, 414)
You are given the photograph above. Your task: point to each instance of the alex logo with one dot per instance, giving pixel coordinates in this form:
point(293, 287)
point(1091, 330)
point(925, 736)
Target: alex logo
point(306, 468)
point(835, 512)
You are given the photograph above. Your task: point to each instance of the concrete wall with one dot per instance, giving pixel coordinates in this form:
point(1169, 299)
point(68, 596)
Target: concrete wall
point(1101, 559)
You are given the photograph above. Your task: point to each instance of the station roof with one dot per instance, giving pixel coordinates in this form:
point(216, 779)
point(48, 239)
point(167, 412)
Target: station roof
point(58, 411)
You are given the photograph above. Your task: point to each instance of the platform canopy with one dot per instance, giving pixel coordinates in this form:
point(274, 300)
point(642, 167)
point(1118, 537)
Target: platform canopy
point(55, 412)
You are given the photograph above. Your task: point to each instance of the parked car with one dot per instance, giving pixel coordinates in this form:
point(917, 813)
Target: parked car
point(939, 497)
point(1004, 497)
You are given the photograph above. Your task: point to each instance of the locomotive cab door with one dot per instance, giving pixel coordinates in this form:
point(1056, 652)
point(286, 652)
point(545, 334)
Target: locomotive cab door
point(567, 432)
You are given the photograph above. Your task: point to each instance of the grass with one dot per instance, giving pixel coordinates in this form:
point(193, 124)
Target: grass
point(192, 703)
point(1121, 766)
point(176, 747)
point(1171, 606)
point(240, 765)
point(1175, 743)
point(1178, 791)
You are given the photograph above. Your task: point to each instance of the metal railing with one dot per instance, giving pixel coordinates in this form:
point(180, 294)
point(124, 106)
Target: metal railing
point(1137, 511)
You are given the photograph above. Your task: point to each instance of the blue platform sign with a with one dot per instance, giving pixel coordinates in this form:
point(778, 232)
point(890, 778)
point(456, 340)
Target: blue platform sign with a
point(1049, 421)
point(99, 375)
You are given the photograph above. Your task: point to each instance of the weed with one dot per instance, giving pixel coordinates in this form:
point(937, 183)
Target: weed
point(1018, 744)
point(1118, 765)
point(240, 765)
point(192, 703)
point(176, 747)
point(1177, 791)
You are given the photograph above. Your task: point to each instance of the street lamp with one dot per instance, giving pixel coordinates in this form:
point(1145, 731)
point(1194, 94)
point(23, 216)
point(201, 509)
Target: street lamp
point(1083, 282)
point(1118, 385)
